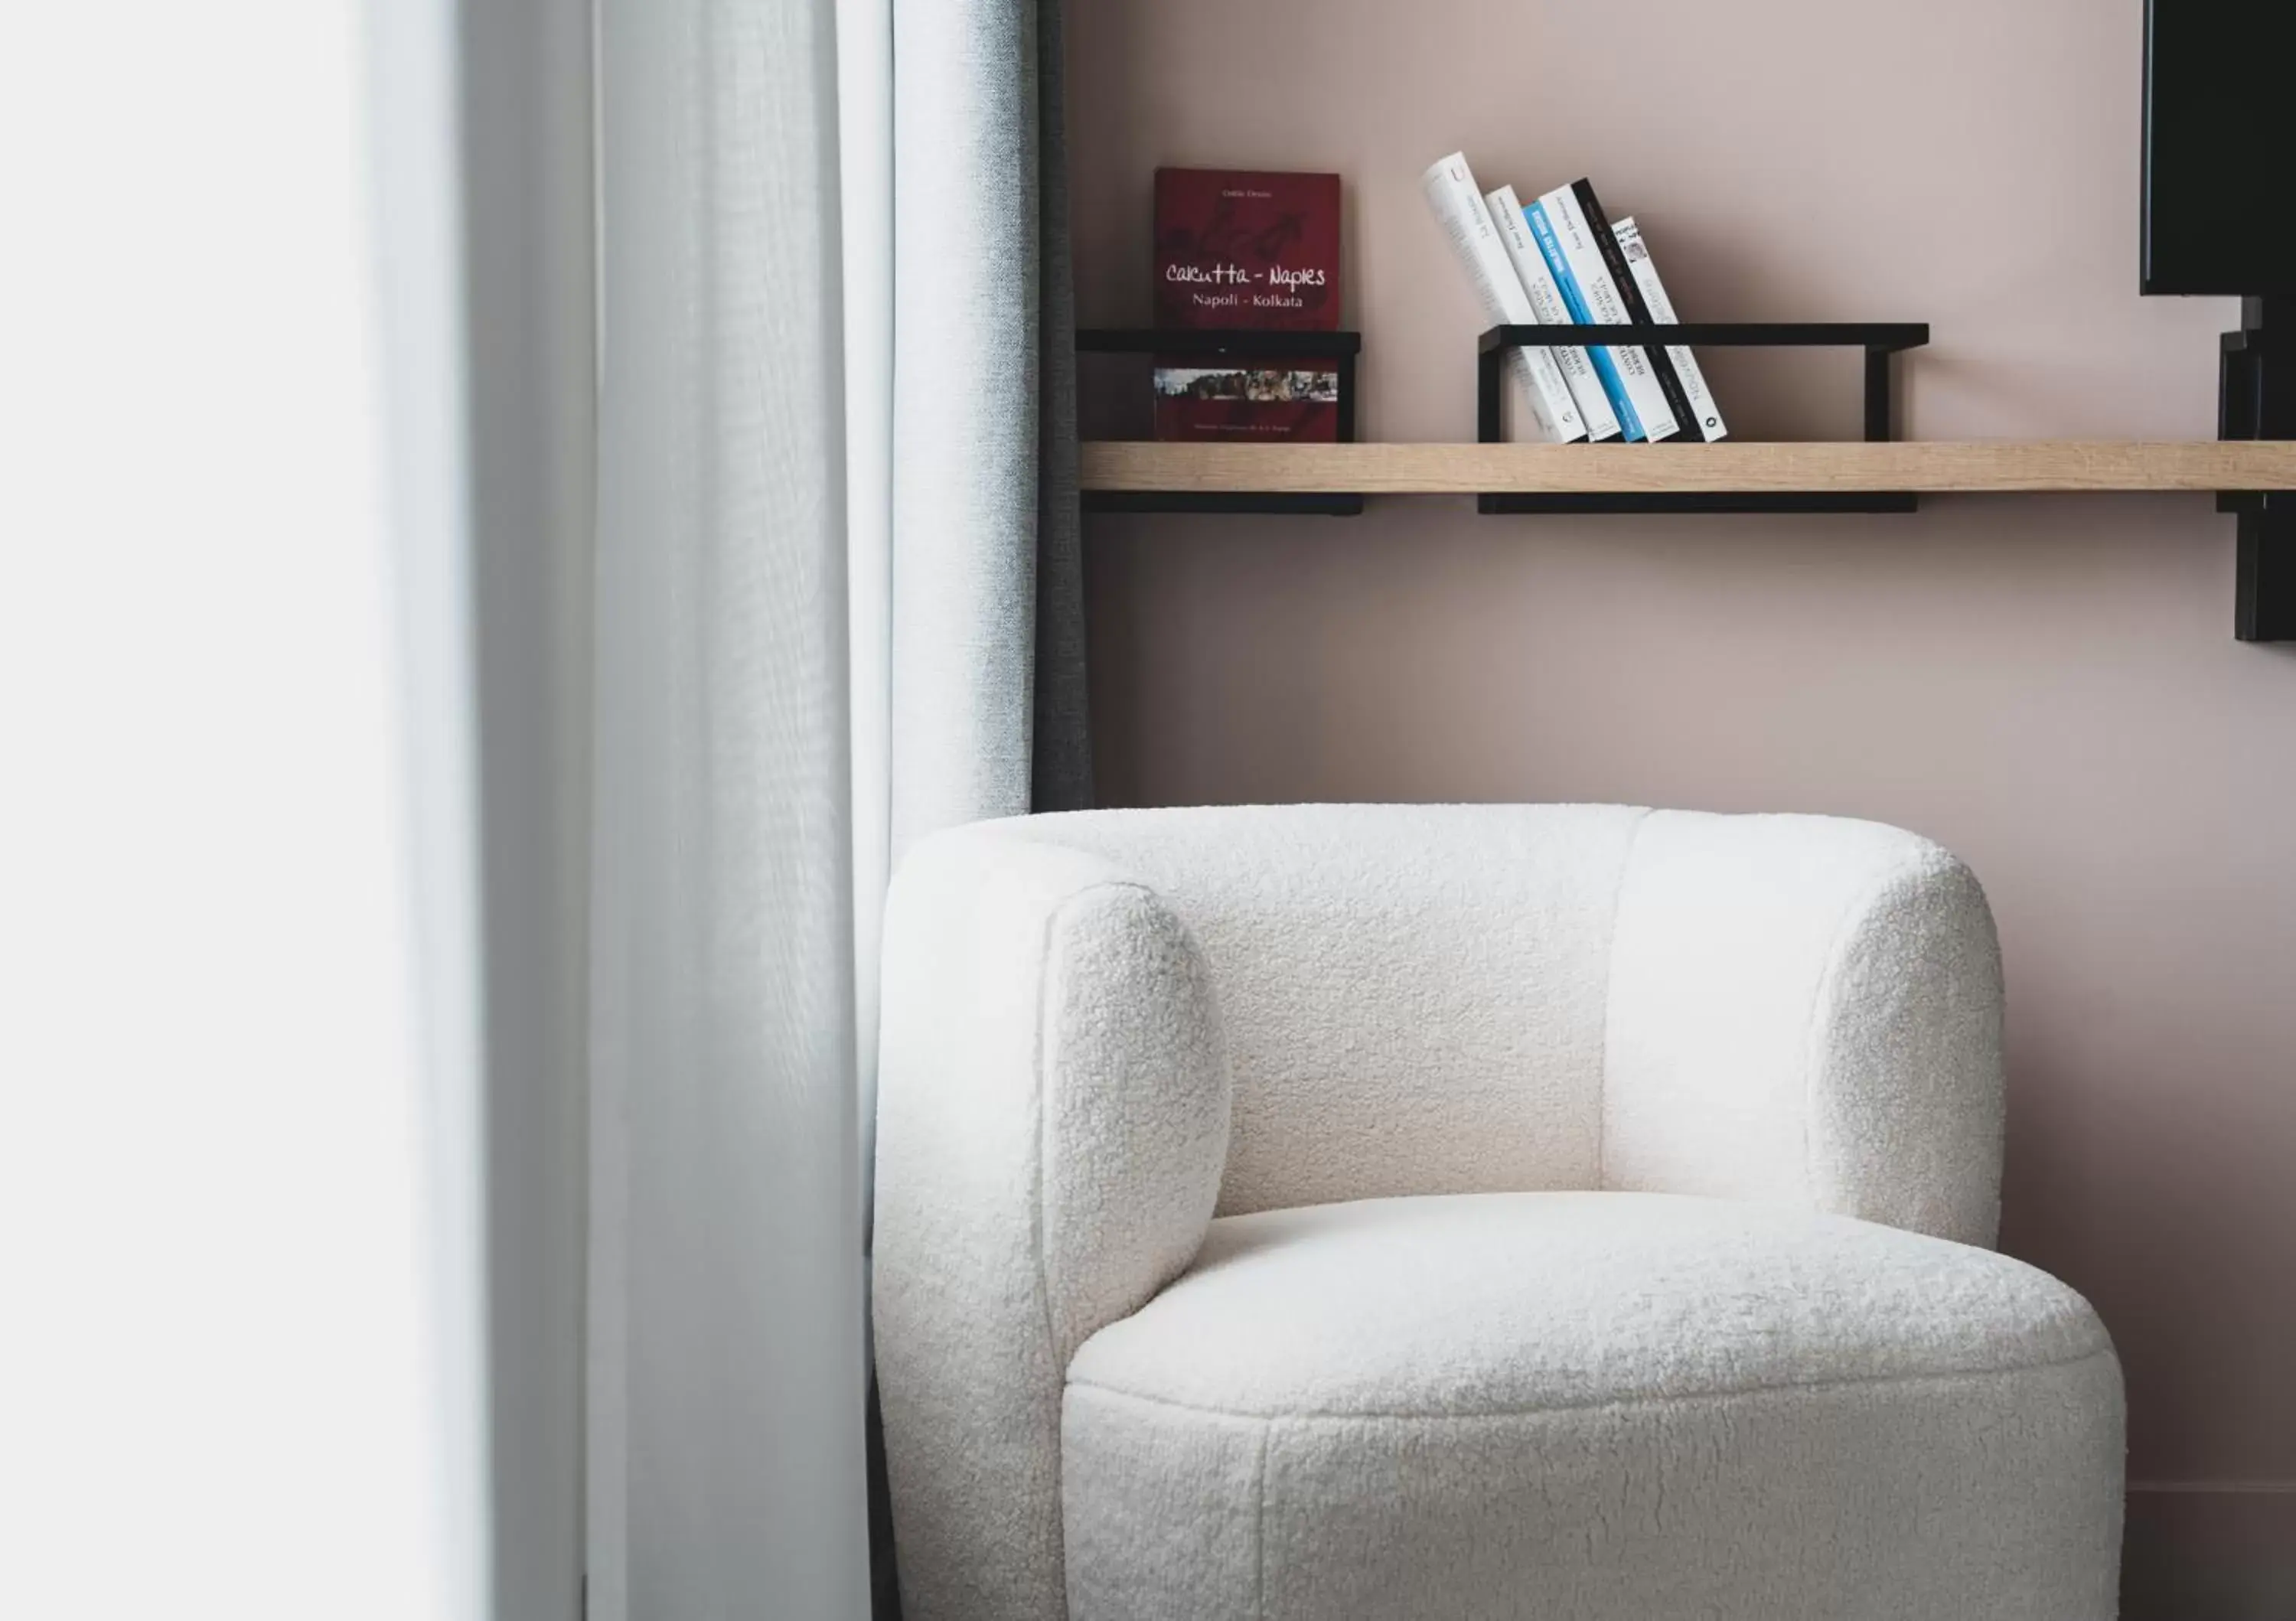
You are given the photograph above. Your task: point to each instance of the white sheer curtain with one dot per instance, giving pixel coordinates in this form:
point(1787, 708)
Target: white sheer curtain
point(481, 114)
point(726, 1454)
point(394, 844)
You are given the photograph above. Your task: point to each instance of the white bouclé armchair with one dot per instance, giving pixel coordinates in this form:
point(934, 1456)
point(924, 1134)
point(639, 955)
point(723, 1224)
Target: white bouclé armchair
point(1561, 1212)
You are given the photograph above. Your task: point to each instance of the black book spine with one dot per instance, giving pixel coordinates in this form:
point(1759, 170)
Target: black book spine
point(1630, 294)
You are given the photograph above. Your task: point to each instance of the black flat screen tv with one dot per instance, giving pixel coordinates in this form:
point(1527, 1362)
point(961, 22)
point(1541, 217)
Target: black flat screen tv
point(2220, 209)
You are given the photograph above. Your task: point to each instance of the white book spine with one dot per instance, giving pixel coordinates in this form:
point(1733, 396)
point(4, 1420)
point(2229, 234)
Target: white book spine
point(1608, 309)
point(1661, 308)
point(1547, 306)
point(1450, 189)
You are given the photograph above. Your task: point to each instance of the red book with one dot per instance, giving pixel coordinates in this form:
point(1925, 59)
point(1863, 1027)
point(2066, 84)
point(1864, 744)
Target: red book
point(1235, 249)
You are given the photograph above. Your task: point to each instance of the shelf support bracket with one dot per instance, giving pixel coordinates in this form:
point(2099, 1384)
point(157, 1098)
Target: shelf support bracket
point(2257, 400)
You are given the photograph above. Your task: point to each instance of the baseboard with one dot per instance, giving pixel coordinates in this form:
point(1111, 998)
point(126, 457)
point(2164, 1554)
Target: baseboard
point(2209, 1551)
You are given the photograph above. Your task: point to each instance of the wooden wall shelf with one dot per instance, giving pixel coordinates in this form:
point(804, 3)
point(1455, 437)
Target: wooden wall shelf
point(1986, 467)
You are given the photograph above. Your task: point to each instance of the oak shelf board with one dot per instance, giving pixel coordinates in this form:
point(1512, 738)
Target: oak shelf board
point(1982, 467)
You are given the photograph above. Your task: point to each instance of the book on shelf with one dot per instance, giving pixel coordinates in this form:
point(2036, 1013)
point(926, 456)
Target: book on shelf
point(1704, 411)
point(1450, 189)
point(1246, 248)
point(1600, 359)
point(1565, 236)
point(1630, 293)
point(1546, 305)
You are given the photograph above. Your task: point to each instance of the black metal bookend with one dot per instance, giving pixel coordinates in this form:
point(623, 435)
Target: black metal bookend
point(1223, 344)
point(2257, 400)
point(1881, 341)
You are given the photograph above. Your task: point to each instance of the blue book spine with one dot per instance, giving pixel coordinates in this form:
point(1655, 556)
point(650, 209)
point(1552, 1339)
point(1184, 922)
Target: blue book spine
point(1630, 425)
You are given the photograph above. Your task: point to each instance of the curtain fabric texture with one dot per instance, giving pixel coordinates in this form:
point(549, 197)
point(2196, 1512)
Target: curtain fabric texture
point(798, 671)
point(483, 190)
point(988, 692)
point(761, 684)
point(726, 1441)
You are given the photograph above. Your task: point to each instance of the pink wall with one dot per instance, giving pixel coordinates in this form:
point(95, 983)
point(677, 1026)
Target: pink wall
point(2047, 685)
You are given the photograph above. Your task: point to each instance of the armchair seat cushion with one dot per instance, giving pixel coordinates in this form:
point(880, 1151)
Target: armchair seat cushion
point(1592, 1404)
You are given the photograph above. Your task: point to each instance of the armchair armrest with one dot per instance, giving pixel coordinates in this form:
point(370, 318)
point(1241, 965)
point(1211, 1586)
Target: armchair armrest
point(1053, 1120)
point(1806, 1011)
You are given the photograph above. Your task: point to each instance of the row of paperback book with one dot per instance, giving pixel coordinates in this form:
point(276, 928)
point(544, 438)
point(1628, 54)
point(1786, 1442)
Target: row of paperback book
point(1239, 249)
point(1557, 261)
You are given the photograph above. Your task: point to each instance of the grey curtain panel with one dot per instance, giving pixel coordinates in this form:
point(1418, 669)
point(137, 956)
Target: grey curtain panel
point(988, 710)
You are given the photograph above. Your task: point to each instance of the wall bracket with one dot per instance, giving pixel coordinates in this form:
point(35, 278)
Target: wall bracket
point(2256, 399)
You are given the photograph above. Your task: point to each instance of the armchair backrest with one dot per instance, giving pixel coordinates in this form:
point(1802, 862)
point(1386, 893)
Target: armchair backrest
point(1438, 999)
point(1412, 998)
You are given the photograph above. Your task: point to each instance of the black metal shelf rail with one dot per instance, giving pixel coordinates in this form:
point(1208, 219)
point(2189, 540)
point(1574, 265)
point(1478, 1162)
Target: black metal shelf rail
point(1224, 344)
point(1883, 342)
